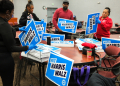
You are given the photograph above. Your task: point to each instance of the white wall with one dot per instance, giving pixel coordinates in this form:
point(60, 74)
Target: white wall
point(81, 8)
point(38, 4)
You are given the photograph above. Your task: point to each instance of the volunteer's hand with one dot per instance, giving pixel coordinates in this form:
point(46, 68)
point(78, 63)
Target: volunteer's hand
point(22, 28)
point(42, 21)
point(98, 21)
point(30, 47)
point(59, 30)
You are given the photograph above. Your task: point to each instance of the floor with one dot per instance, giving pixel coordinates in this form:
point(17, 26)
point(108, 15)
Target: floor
point(29, 80)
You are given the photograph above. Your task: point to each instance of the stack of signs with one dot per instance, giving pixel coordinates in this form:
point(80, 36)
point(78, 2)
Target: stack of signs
point(62, 43)
point(54, 37)
point(40, 55)
point(43, 51)
point(30, 36)
point(66, 25)
point(89, 40)
point(108, 42)
point(59, 69)
point(40, 26)
point(91, 25)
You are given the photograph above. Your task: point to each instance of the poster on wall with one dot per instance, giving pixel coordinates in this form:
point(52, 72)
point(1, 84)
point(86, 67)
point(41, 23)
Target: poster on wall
point(91, 25)
point(59, 69)
point(66, 25)
point(30, 36)
point(109, 41)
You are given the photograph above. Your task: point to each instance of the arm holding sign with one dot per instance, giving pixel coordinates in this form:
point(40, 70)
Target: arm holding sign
point(35, 17)
point(7, 44)
point(22, 28)
point(55, 20)
point(104, 25)
point(107, 25)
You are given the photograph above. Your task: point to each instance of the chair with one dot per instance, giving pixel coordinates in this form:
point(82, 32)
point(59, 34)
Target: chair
point(83, 80)
point(109, 70)
point(112, 52)
point(82, 22)
point(116, 25)
point(105, 76)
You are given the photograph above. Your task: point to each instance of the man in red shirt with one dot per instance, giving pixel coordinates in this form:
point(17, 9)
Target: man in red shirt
point(104, 25)
point(62, 13)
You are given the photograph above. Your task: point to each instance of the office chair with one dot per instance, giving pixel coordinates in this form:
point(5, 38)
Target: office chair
point(105, 76)
point(76, 79)
point(112, 53)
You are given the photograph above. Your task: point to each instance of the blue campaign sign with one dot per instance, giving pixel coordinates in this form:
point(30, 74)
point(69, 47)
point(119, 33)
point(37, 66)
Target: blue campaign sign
point(40, 26)
point(66, 25)
point(59, 69)
point(88, 40)
point(109, 41)
point(63, 42)
point(54, 37)
point(30, 36)
point(91, 25)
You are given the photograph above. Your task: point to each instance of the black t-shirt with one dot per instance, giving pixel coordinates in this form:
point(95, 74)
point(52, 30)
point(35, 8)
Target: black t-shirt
point(25, 17)
point(7, 38)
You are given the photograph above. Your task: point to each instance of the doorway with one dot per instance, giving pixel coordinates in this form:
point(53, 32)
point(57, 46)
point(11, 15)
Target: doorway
point(50, 12)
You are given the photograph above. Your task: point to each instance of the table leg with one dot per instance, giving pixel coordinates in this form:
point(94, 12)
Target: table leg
point(40, 73)
point(43, 74)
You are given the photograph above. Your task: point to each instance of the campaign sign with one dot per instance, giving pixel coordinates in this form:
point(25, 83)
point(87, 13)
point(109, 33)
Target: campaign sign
point(109, 41)
point(91, 25)
point(40, 26)
point(59, 69)
point(54, 37)
point(30, 36)
point(47, 47)
point(63, 42)
point(66, 25)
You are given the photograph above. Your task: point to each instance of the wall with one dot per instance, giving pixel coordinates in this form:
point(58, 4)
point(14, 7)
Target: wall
point(81, 8)
point(38, 10)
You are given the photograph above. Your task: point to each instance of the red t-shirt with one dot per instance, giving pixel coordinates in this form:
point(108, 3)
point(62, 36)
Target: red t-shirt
point(103, 29)
point(60, 13)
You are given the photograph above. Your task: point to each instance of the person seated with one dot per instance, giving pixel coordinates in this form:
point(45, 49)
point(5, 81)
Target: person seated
point(28, 14)
point(79, 23)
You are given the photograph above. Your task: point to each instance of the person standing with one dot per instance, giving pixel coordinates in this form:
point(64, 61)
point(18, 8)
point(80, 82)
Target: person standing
point(104, 25)
point(28, 14)
point(7, 43)
point(65, 13)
